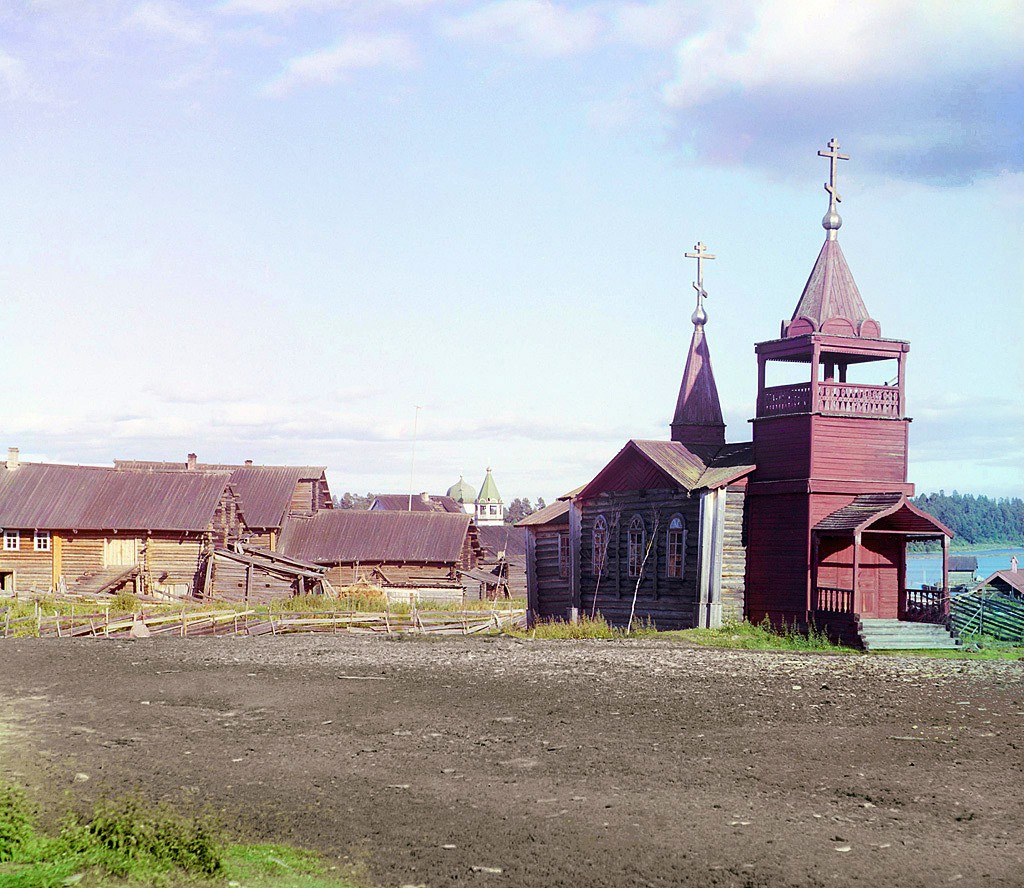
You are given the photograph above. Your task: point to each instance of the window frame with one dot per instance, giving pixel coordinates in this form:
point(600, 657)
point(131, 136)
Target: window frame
point(599, 545)
point(564, 555)
point(39, 538)
point(676, 532)
point(10, 535)
point(636, 543)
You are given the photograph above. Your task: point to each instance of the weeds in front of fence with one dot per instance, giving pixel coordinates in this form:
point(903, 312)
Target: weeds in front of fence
point(129, 841)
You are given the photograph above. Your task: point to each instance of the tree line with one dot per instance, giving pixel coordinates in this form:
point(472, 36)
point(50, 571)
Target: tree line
point(977, 520)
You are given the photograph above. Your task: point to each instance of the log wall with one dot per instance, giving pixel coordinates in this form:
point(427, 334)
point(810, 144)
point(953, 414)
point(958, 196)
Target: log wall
point(554, 595)
point(734, 555)
point(669, 603)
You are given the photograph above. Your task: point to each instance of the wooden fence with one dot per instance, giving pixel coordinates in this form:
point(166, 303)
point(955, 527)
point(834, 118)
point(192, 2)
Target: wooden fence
point(988, 613)
point(190, 624)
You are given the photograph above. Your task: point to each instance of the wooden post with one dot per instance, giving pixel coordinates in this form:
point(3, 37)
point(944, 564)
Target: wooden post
point(761, 361)
point(856, 570)
point(532, 606)
point(812, 590)
point(248, 583)
point(944, 609)
point(901, 410)
point(815, 359)
point(56, 558)
point(575, 543)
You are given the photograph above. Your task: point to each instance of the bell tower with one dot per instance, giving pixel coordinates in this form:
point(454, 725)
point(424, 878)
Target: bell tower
point(830, 428)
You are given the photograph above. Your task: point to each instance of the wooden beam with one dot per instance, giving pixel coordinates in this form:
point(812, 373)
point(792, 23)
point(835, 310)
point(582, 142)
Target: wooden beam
point(856, 570)
point(56, 558)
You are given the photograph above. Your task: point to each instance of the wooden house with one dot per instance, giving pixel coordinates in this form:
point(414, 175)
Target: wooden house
point(962, 570)
point(95, 529)
point(549, 561)
point(269, 494)
point(1005, 582)
point(407, 553)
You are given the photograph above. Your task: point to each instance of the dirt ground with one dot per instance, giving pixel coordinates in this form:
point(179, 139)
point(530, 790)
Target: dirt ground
point(560, 763)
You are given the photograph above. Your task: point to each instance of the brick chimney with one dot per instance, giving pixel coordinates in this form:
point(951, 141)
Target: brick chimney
point(13, 459)
point(190, 463)
point(248, 462)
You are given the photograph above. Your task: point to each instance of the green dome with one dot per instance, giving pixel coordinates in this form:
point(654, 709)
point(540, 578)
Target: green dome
point(461, 492)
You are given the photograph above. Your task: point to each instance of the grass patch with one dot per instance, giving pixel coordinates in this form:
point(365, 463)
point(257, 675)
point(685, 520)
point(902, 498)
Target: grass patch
point(763, 637)
point(585, 627)
point(128, 842)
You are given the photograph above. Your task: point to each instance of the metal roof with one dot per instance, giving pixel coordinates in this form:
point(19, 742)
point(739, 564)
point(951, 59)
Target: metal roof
point(489, 490)
point(41, 496)
point(399, 502)
point(265, 491)
point(350, 535)
point(461, 491)
point(882, 511)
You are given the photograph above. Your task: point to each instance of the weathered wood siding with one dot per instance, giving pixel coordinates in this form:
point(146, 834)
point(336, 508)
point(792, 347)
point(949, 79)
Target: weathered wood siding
point(668, 603)
point(554, 595)
point(32, 570)
point(228, 581)
point(407, 574)
point(173, 560)
point(859, 448)
point(734, 555)
point(778, 553)
point(782, 447)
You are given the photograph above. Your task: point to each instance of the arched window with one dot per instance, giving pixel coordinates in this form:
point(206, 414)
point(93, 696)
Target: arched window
point(600, 540)
point(675, 554)
point(637, 540)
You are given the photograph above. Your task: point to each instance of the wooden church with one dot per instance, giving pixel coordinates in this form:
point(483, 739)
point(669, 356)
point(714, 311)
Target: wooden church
point(806, 525)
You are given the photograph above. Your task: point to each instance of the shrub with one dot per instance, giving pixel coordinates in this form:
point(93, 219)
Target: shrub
point(16, 827)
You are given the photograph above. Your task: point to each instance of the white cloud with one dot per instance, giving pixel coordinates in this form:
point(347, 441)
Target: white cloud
point(14, 82)
point(657, 24)
point(288, 7)
point(927, 89)
point(166, 20)
point(537, 27)
point(354, 53)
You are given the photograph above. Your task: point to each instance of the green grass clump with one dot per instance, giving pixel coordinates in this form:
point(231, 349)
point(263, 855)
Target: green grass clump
point(128, 842)
point(586, 627)
point(762, 637)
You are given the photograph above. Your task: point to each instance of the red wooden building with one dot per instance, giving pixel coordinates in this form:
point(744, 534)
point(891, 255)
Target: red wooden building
point(829, 517)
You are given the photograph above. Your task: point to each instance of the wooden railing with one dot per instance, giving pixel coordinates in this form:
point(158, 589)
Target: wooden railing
point(925, 605)
point(833, 397)
point(862, 400)
point(786, 399)
point(828, 599)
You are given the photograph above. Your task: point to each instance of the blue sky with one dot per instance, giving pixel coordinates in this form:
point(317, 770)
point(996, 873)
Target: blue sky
point(269, 229)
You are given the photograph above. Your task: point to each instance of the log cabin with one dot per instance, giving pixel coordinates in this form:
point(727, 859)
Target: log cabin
point(94, 529)
point(269, 494)
point(805, 526)
point(409, 554)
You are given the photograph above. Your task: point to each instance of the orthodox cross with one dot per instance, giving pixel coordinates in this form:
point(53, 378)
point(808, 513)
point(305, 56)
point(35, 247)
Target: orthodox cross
point(700, 253)
point(833, 155)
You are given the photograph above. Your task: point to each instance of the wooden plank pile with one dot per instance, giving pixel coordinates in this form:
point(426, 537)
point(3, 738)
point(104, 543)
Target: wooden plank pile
point(200, 623)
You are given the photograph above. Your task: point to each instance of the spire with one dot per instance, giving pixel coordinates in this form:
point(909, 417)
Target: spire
point(831, 302)
point(698, 416)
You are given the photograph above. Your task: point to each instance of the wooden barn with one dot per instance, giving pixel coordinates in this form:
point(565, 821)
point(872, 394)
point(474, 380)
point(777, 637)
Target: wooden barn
point(808, 525)
point(407, 553)
point(94, 529)
point(269, 494)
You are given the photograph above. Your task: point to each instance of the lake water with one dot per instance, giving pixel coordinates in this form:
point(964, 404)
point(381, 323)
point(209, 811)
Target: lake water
point(927, 567)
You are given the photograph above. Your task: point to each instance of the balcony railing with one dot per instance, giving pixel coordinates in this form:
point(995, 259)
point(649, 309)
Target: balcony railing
point(828, 599)
point(925, 605)
point(833, 397)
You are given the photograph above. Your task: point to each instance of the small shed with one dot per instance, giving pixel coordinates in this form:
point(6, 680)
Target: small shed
point(963, 570)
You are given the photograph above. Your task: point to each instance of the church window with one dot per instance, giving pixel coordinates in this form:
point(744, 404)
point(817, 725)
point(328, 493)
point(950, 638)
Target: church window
point(564, 554)
point(600, 538)
point(637, 539)
point(12, 540)
point(676, 548)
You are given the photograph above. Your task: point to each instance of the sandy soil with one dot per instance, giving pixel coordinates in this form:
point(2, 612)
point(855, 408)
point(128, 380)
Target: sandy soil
point(559, 763)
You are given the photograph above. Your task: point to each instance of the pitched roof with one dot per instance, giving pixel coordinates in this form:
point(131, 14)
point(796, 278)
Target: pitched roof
point(1014, 579)
point(399, 502)
point(265, 491)
point(44, 496)
point(831, 302)
point(698, 415)
point(963, 562)
point(495, 538)
point(556, 513)
point(489, 490)
point(652, 464)
point(350, 535)
point(882, 511)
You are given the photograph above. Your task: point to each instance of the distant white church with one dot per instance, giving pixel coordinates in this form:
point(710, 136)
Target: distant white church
point(486, 507)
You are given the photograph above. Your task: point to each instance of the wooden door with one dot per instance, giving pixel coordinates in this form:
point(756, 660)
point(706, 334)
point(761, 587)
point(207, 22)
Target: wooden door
point(120, 552)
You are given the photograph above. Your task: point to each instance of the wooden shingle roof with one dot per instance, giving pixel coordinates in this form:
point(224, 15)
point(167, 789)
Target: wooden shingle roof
point(888, 511)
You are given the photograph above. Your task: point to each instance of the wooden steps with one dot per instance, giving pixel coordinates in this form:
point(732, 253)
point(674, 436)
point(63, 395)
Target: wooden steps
point(902, 635)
